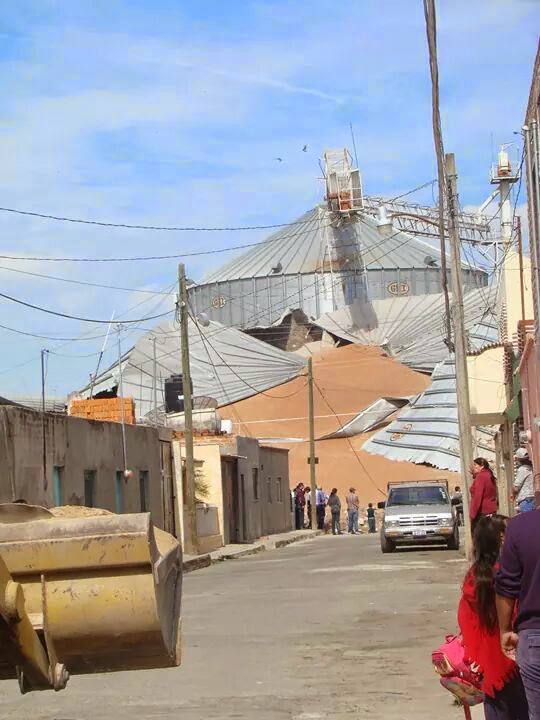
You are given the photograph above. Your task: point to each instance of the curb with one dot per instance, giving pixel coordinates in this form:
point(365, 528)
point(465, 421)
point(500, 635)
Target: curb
point(203, 561)
point(299, 538)
point(196, 563)
point(238, 554)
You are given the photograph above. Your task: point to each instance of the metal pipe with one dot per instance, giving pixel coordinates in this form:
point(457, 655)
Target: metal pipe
point(121, 388)
point(312, 479)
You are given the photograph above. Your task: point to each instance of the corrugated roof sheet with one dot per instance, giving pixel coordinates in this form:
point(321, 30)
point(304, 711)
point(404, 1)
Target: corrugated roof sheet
point(427, 430)
point(412, 328)
point(226, 364)
point(303, 248)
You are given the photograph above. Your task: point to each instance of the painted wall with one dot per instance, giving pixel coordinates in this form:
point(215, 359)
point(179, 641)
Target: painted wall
point(529, 370)
point(75, 446)
point(486, 381)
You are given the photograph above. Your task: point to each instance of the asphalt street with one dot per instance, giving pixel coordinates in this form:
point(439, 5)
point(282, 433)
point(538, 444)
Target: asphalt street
point(328, 628)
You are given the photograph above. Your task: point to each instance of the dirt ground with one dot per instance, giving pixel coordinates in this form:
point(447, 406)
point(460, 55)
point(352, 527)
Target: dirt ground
point(328, 628)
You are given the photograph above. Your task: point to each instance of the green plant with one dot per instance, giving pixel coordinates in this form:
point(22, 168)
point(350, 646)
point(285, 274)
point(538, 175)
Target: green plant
point(202, 489)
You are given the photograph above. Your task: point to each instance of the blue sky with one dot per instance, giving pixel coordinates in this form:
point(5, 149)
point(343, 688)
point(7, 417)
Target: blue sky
point(173, 113)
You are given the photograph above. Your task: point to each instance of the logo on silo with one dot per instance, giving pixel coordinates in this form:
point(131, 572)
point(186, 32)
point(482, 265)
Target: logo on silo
point(398, 288)
point(218, 302)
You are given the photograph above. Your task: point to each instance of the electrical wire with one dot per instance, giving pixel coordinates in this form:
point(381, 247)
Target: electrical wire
point(431, 183)
point(76, 317)
point(165, 228)
point(80, 282)
point(355, 452)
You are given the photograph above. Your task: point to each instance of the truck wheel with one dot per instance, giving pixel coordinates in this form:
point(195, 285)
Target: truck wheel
point(387, 546)
point(453, 543)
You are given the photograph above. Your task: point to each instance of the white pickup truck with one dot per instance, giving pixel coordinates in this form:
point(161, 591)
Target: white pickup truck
point(419, 513)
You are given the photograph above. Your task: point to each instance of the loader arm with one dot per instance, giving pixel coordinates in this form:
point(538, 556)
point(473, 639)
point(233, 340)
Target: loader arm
point(88, 594)
point(20, 645)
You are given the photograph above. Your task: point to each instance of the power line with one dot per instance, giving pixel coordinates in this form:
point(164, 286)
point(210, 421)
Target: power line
point(410, 192)
point(81, 282)
point(163, 228)
point(76, 317)
point(364, 468)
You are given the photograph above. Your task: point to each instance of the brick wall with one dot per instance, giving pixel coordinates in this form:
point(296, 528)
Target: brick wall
point(108, 410)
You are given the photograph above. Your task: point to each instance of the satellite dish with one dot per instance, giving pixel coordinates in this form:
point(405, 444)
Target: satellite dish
point(202, 319)
point(277, 268)
point(430, 261)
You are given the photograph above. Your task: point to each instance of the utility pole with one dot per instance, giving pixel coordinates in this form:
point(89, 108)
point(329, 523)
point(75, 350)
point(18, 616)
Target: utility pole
point(312, 480)
point(431, 32)
point(460, 345)
point(154, 387)
point(188, 411)
point(122, 410)
point(44, 352)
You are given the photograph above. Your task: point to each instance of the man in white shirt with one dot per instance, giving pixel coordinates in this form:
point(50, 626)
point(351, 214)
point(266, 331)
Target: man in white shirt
point(523, 490)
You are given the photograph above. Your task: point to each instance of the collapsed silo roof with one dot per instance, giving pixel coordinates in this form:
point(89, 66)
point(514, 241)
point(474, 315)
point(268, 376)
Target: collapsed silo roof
point(306, 244)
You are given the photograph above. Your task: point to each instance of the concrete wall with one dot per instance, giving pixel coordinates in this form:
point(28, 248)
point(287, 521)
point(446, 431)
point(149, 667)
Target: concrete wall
point(269, 512)
point(76, 445)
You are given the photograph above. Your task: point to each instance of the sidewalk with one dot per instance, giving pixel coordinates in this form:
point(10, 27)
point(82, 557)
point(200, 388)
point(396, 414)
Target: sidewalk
point(233, 551)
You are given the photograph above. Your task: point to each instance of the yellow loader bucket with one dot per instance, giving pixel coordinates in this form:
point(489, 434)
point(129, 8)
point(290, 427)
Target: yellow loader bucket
point(102, 593)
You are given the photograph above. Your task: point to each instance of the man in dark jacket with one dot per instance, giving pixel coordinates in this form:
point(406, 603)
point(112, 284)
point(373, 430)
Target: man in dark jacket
point(299, 506)
point(334, 503)
point(518, 583)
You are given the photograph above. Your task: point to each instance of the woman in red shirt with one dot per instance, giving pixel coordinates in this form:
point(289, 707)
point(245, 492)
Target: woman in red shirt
point(483, 490)
point(477, 617)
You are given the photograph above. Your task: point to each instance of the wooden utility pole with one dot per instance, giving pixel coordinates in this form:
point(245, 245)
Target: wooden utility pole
point(431, 32)
point(43, 420)
point(154, 384)
point(188, 412)
point(460, 345)
point(312, 480)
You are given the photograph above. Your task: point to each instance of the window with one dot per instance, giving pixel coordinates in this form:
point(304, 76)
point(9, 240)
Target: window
point(119, 492)
point(143, 490)
point(422, 495)
point(58, 491)
point(89, 487)
point(279, 490)
point(255, 477)
point(269, 489)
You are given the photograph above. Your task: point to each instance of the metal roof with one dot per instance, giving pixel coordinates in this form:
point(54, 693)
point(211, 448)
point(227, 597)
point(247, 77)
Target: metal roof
point(412, 329)
point(308, 244)
point(226, 365)
point(427, 431)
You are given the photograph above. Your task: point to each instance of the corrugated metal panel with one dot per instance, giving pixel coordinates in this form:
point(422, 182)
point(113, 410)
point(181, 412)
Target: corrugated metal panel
point(303, 248)
point(320, 264)
point(226, 364)
point(412, 329)
point(427, 431)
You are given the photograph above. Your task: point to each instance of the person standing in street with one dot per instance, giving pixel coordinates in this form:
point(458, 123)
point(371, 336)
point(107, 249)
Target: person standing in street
point(321, 508)
point(518, 602)
point(299, 505)
point(307, 499)
point(334, 503)
point(371, 519)
point(504, 695)
point(483, 491)
point(353, 507)
point(523, 489)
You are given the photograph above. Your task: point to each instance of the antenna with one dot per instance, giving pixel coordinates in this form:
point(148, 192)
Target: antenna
point(354, 145)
